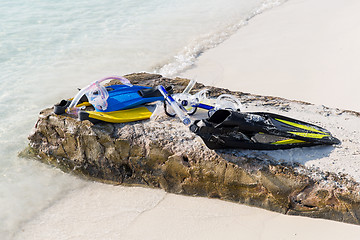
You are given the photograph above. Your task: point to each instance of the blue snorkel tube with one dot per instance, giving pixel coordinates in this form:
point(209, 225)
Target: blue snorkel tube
point(181, 113)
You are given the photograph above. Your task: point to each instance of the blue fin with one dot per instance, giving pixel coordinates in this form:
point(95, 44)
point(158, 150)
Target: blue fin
point(125, 97)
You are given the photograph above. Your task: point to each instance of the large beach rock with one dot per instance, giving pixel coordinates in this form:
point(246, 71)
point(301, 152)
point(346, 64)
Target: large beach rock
point(165, 154)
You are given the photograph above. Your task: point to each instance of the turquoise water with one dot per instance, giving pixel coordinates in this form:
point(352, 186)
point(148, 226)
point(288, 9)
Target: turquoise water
point(49, 48)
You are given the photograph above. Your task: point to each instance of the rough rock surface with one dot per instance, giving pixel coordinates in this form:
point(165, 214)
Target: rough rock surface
point(165, 154)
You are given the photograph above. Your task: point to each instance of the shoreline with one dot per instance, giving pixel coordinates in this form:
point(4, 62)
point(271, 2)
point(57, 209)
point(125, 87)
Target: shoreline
point(301, 50)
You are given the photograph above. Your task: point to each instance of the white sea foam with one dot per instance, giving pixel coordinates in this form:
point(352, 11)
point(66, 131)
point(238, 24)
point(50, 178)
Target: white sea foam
point(187, 57)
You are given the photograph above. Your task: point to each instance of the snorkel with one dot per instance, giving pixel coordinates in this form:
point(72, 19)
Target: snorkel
point(190, 103)
point(181, 113)
point(96, 95)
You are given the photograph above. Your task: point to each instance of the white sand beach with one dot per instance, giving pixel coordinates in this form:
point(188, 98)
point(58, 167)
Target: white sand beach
point(305, 50)
point(101, 211)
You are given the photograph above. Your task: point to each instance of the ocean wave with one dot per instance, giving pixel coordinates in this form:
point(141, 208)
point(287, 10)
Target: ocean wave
point(187, 57)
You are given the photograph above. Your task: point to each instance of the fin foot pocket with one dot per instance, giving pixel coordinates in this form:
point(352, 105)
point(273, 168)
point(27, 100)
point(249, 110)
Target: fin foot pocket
point(61, 107)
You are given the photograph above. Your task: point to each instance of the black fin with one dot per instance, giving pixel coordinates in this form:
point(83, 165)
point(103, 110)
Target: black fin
point(61, 107)
point(262, 131)
point(83, 115)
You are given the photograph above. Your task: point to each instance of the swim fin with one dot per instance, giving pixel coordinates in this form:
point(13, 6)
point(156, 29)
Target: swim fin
point(258, 130)
point(120, 97)
point(121, 116)
point(125, 97)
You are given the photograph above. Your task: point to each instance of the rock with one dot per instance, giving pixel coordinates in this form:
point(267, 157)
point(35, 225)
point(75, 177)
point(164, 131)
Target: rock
point(165, 154)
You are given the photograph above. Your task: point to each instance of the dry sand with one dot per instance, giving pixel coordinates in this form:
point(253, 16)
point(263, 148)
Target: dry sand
point(99, 212)
point(305, 49)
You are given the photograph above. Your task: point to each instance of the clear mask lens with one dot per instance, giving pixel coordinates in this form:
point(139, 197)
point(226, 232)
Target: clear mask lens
point(97, 96)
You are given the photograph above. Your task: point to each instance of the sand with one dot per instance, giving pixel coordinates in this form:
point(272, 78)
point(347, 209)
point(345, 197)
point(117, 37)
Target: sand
point(306, 50)
point(101, 211)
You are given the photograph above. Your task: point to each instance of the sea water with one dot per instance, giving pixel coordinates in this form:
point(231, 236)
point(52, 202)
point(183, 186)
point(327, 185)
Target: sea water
point(50, 48)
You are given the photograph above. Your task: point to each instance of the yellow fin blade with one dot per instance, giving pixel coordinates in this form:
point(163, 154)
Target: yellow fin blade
point(122, 116)
point(310, 135)
point(300, 126)
point(288, 141)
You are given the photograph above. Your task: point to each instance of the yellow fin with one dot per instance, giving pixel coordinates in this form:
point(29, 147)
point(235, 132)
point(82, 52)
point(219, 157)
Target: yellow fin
point(86, 104)
point(288, 141)
point(122, 116)
point(310, 135)
point(300, 126)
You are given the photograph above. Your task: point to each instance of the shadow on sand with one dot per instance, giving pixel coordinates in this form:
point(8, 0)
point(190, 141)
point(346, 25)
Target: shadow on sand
point(289, 156)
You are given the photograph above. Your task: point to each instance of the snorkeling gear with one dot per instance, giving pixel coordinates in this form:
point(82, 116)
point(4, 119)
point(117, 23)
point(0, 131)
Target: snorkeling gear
point(181, 113)
point(115, 97)
point(258, 130)
point(229, 128)
point(110, 101)
point(122, 116)
point(190, 103)
point(96, 94)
